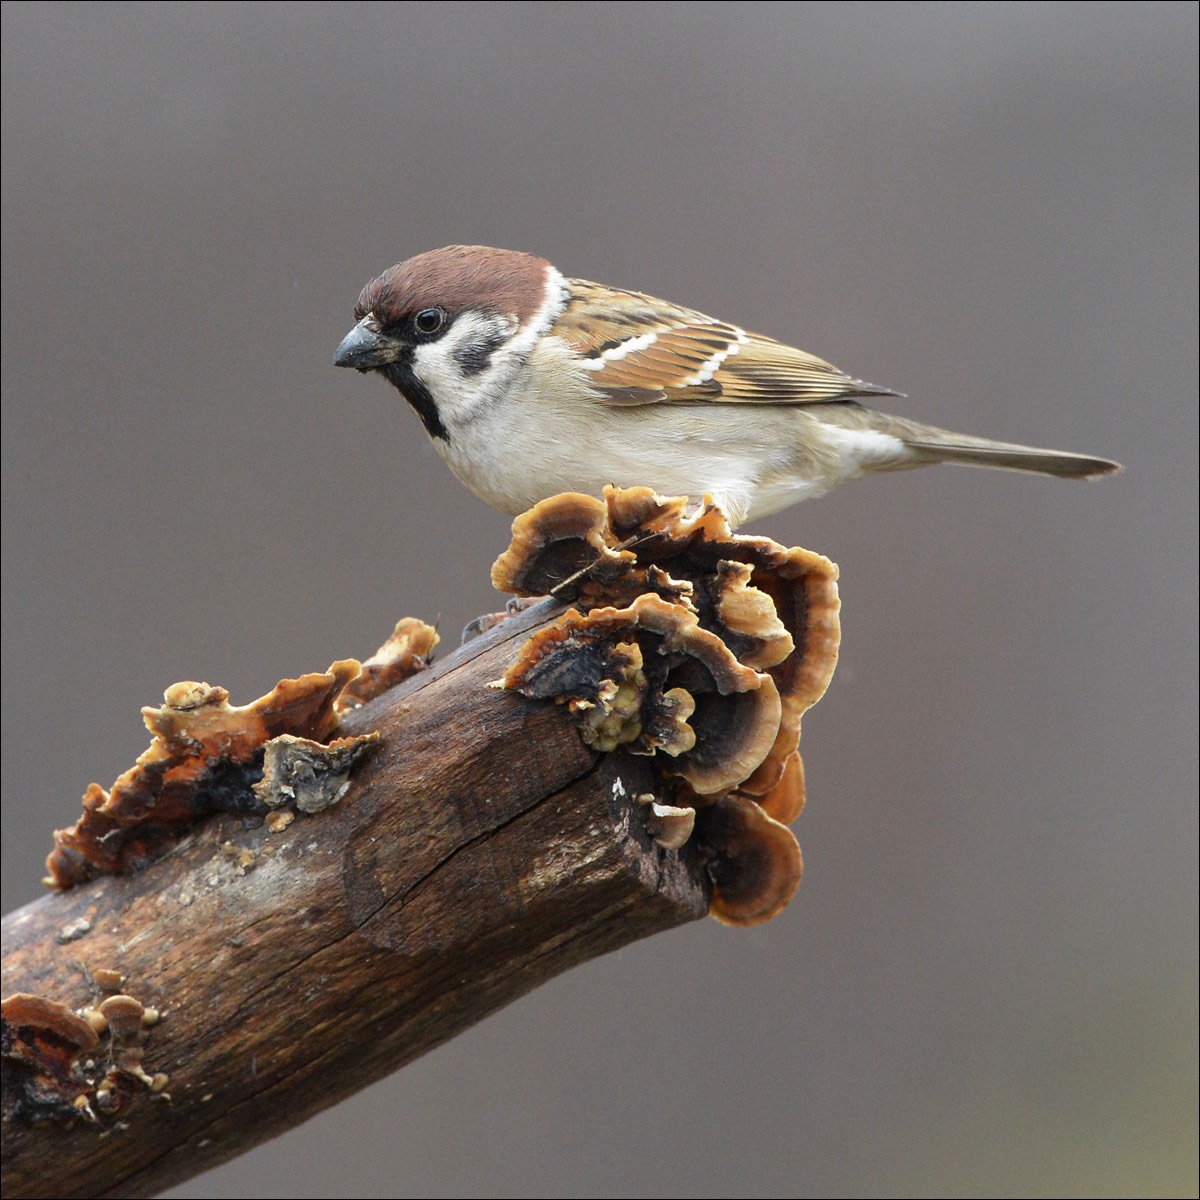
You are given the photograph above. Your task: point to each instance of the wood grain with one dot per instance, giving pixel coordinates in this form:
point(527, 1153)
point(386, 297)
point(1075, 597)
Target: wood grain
point(481, 849)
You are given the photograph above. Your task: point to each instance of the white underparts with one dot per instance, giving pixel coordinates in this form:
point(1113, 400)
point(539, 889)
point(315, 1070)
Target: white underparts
point(864, 449)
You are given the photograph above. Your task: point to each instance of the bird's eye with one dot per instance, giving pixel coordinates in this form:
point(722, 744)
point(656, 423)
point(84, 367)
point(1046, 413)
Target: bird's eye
point(429, 321)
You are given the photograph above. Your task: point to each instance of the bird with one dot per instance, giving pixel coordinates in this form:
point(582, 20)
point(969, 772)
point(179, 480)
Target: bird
point(530, 383)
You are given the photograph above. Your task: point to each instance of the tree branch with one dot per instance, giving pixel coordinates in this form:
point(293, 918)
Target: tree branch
point(481, 849)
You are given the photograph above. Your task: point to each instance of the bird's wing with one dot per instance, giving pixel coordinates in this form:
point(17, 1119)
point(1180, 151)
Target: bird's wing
point(638, 350)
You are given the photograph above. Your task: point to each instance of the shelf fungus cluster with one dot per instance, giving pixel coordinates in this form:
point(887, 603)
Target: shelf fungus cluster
point(271, 757)
point(684, 641)
point(692, 643)
point(66, 1065)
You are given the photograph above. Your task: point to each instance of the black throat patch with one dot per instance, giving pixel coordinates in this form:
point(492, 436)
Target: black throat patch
point(402, 377)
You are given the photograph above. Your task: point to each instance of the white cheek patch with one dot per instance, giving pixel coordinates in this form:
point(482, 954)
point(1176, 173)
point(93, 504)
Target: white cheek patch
point(473, 364)
point(462, 368)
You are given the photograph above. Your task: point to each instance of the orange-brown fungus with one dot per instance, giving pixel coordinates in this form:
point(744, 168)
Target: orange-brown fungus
point(785, 801)
point(690, 639)
point(124, 1015)
point(208, 756)
point(203, 758)
point(553, 541)
point(66, 1066)
point(107, 980)
point(649, 677)
point(755, 861)
point(405, 653)
point(44, 1044)
point(668, 824)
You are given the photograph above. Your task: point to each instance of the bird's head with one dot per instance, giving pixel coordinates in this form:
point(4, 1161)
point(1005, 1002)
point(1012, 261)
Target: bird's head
point(450, 327)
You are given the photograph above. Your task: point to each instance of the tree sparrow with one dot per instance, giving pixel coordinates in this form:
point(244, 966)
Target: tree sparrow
point(530, 384)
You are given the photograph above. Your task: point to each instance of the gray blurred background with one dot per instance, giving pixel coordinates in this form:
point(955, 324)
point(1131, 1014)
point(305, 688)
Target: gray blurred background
point(986, 984)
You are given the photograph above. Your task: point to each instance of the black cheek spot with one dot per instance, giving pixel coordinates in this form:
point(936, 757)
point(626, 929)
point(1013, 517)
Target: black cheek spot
point(475, 357)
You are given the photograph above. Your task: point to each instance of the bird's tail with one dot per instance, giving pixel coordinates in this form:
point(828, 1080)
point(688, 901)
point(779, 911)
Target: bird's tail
point(939, 447)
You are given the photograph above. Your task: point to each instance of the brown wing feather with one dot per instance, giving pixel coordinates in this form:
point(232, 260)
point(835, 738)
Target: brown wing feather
point(639, 350)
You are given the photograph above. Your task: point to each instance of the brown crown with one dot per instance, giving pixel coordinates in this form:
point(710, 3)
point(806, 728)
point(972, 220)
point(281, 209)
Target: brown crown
point(457, 278)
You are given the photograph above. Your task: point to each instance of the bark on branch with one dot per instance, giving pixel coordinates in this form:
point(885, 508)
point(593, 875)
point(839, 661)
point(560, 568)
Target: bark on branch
point(481, 849)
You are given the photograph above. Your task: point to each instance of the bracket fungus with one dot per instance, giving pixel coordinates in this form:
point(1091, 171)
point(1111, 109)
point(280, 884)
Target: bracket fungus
point(406, 652)
point(209, 756)
point(66, 1066)
point(685, 642)
point(648, 677)
point(44, 1044)
point(755, 861)
point(310, 775)
point(668, 824)
point(693, 641)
